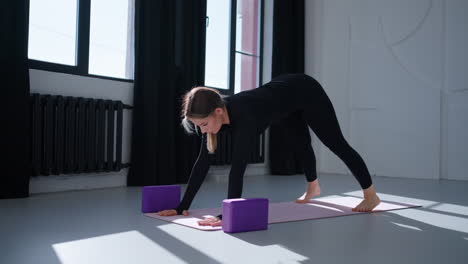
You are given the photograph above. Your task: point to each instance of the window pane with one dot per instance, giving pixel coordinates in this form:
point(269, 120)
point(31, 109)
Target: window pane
point(246, 72)
point(217, 44)
point(110, 53)
point(247, 26)
point(247, 45)
point(52, 31)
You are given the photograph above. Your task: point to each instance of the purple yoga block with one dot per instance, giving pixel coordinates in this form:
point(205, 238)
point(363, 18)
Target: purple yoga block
point(159, 197)
point(245, 214)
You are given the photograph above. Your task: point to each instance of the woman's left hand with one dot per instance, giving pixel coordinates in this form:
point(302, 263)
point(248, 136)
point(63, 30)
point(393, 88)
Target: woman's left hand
point(211, 221)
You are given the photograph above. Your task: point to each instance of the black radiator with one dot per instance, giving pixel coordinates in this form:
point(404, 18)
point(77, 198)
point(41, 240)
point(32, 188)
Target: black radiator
point(75, 135)
point(224, 149)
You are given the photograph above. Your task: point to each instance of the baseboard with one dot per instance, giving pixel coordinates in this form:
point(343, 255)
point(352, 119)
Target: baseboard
point(222, 172)
point(72, 182)
point(89, 181)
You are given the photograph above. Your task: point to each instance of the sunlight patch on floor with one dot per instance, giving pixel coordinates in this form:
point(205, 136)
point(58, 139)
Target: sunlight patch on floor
point(126, 247)
point(206, 243)
point(437, 219)
point(407, 226)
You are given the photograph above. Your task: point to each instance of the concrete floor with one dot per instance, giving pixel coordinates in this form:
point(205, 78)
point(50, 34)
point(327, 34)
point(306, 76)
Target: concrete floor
point(106, 226)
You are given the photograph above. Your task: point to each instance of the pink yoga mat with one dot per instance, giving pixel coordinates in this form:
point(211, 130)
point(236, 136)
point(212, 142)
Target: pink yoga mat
point(288, 211)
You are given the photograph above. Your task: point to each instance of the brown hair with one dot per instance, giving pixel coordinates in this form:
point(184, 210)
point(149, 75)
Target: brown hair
point(200, 102)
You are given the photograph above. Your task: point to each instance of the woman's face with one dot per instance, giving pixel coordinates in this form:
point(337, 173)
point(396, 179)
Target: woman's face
point(210, 124)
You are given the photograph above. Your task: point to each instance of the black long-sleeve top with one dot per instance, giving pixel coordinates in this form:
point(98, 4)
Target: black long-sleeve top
point(250, 113)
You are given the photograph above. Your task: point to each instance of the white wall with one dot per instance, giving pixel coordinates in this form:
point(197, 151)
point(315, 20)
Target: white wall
point(396, 72)
point(44, 82)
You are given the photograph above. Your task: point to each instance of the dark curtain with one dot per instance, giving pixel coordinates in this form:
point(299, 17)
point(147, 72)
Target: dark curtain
point(169, 54)
point(15, 139)
point(288, 57)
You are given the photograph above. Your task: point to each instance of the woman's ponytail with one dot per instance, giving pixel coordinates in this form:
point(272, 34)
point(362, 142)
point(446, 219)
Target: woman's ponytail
point(211, 142)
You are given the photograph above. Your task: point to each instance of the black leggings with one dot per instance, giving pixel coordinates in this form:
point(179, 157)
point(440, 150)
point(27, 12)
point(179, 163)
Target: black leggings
point(320, 116)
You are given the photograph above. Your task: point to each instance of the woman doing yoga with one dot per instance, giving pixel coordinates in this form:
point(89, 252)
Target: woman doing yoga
point(296, 99)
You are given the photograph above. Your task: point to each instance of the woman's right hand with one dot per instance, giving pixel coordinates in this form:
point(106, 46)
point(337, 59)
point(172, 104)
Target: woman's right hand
point(171, 212)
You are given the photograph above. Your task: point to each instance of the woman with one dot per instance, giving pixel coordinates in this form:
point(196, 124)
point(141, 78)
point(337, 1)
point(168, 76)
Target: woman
point(297, 99)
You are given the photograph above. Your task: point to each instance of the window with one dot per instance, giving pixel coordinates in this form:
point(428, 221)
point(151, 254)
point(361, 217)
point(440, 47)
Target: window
point(108, 39)
point(233, 45)
point(217, 43)
point(52, 35)
point(82, 37)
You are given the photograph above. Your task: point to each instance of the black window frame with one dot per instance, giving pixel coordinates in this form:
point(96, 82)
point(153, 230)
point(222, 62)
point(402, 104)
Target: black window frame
point(233, 51)
point(82, 49)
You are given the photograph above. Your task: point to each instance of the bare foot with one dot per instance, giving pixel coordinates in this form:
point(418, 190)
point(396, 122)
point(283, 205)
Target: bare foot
point(367, 204)
point(313, 189)
point(371, 200)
